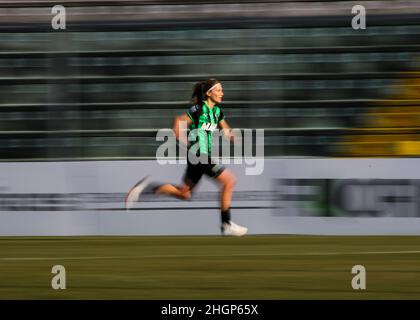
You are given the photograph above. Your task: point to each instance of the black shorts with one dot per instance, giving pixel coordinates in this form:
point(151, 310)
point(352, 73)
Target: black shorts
point(194, 172)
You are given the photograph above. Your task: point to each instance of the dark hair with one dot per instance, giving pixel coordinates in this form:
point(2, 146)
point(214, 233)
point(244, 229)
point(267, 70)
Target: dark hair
point(200, 89)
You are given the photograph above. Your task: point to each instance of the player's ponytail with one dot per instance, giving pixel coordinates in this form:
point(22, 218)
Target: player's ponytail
point(198, 95)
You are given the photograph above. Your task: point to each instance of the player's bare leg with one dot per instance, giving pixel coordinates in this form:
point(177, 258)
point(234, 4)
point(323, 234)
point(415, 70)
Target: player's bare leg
point(182, 192)
point(228, 181)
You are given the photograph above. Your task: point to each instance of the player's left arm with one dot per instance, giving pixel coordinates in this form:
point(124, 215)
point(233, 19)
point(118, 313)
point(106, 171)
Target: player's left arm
point(227, 131)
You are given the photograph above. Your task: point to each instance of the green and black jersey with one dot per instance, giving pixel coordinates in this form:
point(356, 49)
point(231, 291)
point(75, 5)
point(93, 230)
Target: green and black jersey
point(205, 120)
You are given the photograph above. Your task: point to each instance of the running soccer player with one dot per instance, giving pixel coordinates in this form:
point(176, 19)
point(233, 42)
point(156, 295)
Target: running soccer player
point(203, 118)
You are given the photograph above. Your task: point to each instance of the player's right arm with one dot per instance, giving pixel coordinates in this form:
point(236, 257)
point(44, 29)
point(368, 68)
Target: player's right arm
point(180, 127)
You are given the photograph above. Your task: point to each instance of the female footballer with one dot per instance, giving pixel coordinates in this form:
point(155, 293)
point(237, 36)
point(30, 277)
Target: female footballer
point(203, 118)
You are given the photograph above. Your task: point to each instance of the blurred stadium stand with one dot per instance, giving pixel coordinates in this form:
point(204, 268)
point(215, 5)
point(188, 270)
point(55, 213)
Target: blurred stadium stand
point(123, 69)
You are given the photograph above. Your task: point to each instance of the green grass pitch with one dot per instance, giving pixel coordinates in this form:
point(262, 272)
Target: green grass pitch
point(252, 267)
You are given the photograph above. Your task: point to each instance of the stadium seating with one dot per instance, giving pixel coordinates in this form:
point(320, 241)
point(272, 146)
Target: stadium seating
point(317, 90)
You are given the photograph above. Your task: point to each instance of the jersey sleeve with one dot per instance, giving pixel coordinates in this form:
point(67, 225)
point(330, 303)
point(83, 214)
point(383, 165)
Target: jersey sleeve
point(221, 116)
point(193, 113)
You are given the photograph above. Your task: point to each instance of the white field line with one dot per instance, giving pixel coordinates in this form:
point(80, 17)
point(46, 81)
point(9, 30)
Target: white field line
point(159, 256)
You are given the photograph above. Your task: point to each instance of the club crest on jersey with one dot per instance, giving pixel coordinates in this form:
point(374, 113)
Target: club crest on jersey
point(209, 126)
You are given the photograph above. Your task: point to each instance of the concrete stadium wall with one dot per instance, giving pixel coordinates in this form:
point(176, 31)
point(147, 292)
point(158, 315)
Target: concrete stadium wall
point(291, 196)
